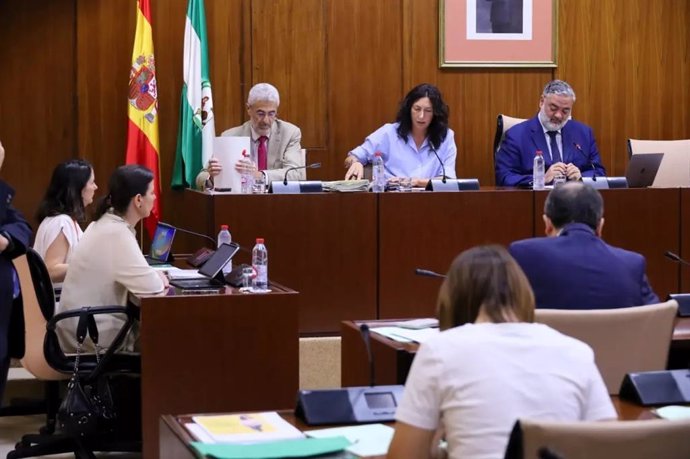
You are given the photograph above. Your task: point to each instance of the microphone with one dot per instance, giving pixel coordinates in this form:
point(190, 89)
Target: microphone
point(675, 257)
point(428, 273)
point(443, 166)
point(364, 330)
point(308, 166)
point(193, 233)
point(591, 162)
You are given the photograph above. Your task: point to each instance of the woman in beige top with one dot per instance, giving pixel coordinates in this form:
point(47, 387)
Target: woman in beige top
point(108, 263)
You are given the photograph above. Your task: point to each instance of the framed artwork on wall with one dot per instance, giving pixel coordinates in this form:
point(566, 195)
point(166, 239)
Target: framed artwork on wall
point(498, 33)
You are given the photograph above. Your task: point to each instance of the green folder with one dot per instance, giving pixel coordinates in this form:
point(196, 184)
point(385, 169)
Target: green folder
point(304, 447)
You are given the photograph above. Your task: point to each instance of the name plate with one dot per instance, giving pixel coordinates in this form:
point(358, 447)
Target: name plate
point(453, 184)
point(296, 187)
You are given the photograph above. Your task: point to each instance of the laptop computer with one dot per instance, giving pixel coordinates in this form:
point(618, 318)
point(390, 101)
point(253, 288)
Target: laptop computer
point(642, 169)
point(212, 269)
point(161, 244)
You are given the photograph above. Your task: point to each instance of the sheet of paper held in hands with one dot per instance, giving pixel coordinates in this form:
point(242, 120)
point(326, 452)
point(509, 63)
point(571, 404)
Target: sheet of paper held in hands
point(228, 150)
point(367, 440)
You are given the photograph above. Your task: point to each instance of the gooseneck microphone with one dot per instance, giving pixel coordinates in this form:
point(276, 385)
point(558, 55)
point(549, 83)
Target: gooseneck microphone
point(443, 166)
point(193, 233)
point(589, 160)
point(675, 257)
point(428, 273)
point(364, 330)
point(308, 166)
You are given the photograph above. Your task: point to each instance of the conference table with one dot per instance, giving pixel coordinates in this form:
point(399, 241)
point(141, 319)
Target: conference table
point(353, 255)
point(393, 359)
point(227, 351)
point(175, 440)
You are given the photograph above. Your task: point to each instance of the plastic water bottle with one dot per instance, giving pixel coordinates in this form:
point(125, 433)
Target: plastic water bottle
point(378, 174)
point(247, 178)
point(538, 171)
point(224, 237)
point(260, 265)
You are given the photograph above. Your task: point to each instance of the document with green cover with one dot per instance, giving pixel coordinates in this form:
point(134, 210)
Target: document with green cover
point(305, 447)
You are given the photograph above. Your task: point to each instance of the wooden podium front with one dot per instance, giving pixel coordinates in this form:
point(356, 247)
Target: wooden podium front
point(212, 353)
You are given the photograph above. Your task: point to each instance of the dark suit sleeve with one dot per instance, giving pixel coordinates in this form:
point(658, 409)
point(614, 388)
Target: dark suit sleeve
point(509, 171)
point(646, 293)
point(594, 157)
point(13, 224)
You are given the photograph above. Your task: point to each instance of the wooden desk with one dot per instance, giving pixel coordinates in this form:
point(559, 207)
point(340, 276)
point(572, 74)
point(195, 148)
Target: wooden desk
point(229, 352)
point(393, 359)
point(175, 440)
point(428, 230)
point(321, 244)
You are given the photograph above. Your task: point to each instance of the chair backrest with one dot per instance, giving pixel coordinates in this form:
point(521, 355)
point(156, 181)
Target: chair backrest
point(38, 307)
point(503, 123)
point(624, 340)
point(654, 438)
point(674, 170)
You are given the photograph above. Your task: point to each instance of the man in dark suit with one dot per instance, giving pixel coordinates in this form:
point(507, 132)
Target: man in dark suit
point(568, 146)
point(573, 268)
point(15, 234)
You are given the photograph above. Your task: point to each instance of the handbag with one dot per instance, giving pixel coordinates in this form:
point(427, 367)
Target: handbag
point(88, 407)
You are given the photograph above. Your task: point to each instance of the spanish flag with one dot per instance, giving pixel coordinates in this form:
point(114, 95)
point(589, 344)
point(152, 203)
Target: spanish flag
point(142, 128)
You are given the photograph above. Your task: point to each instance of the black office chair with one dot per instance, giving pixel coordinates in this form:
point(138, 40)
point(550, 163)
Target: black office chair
point(46, 360)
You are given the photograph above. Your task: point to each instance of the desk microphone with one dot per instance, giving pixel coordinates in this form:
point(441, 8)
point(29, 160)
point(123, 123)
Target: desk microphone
point(308, 166)
point(589, 160)
point(675, 257)
point(364, 330)
point(428, 273)
point(443, 166)
point(193, 233)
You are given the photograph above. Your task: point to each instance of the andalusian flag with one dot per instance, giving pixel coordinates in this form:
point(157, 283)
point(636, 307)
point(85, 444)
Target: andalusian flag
point(197, 128)
point(142, 129)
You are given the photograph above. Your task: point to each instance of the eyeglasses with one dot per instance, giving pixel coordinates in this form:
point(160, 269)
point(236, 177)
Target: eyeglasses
point(262, 114)
point(427, 110)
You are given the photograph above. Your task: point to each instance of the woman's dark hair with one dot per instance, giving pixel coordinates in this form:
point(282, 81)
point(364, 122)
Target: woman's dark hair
point(63, 195)
point(125, 183)
point(438, 128)
point(487, 278)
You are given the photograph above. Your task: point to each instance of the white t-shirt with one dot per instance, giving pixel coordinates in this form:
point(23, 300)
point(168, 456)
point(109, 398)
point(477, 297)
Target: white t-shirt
point(478, 379)
point(50, 228)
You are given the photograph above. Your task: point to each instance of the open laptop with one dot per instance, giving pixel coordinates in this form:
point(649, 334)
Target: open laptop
point(161, 244)
point(642, 169)
point(212, 269)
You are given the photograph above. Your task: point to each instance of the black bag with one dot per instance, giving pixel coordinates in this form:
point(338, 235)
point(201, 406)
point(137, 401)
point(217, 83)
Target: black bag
point(88, 406)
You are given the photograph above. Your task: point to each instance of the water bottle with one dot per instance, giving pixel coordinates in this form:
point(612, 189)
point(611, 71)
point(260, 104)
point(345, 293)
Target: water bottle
point(247, 178)
point(538, 171)
point(224, 237)
point(378, 174)
point(260, 265)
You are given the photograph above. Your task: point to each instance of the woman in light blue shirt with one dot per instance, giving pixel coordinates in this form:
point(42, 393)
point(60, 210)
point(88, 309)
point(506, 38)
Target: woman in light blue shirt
point(419, 144)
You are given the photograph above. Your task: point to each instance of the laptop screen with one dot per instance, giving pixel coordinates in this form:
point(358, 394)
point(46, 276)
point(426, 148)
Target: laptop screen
point(642, 169)
point(162, 242)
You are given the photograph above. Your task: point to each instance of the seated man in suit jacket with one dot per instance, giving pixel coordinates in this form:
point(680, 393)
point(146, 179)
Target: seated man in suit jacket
point(275, 144)
point(15, 233)
point(568, 146)
point(573, 268)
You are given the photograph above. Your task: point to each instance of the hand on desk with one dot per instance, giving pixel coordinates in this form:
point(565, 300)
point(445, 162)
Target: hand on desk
point(164, 278)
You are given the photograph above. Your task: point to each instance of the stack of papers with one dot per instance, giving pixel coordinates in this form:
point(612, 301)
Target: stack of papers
point(367, 440)
point(406, 335)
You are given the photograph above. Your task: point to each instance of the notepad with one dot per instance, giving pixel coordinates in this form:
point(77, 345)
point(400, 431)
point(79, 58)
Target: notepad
point(247, 427)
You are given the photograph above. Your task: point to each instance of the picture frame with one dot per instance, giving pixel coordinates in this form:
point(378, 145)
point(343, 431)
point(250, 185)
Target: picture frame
point(498, 33)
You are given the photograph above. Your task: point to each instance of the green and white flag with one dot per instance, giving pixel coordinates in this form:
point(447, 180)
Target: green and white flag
point(197, 127)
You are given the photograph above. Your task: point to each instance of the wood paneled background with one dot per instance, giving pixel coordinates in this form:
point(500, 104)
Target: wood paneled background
point(341, 67)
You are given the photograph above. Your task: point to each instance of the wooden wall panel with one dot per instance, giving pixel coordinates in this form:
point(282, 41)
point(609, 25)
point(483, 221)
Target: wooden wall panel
point(365, 72)
point(289, 50)
point(37, 113)
point(342, 67)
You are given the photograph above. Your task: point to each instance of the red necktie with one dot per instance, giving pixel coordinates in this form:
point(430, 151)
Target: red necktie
point(263, 154)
